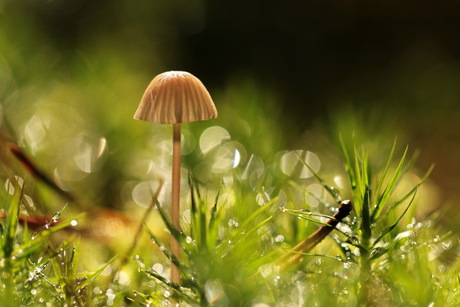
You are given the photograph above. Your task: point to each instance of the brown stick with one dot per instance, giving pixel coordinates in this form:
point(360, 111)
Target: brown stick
point(175, 200)
point(296, 253)
point(36, 172)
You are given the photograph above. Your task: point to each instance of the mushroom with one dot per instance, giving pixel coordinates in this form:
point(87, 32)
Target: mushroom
point(175, 97)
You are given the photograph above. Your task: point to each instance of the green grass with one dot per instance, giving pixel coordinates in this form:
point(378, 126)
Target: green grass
point(382, 254)
point(90, 229)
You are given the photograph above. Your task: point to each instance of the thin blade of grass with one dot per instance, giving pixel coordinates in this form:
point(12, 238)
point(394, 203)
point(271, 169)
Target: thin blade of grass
point(389, 188)
point(365, 219)
point(176, 233)
point(213, 229)
point(31, 246)
point(162, 279)
point(214, 208)
point(412, 191)
point(378, 252)
point(258, 212)
point(344, 248)
point(55, 263)
point(309, 216)
point(165, 251)
point(316, 197)
point(258, 226)
point(331, 190)
point(74, 260)
point(12, 219)
point(359, 191)
point(337, 258)
point(94, 275)
point(199, 220)
point(386, 169)
point(179, 294)
point(348, 164)
point(130, 250)
point(390, 228)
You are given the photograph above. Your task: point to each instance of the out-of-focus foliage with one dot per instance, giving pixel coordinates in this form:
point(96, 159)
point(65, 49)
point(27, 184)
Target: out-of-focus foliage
point(307, 60)
point(287, 82)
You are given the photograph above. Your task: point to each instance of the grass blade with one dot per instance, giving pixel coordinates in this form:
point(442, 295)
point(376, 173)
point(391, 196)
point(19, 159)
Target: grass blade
point(331, 190)
point(389, 188)
point(348, 164)
point(164, 250)
point(386, 169)
point(12, 219)
point(94, 275)
point(412, 191)
point(390, 228)
point(365, 219)
point(304, 190)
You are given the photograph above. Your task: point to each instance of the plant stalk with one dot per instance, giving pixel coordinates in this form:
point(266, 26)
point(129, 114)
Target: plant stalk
point(365, 261)
point(175, 200)
point(294, 255)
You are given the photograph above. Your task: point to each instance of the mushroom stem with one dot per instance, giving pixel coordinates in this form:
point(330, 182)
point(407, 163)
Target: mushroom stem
point(175, 203)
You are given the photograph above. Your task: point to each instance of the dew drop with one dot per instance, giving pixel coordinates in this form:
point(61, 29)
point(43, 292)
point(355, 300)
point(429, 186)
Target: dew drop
point(158, 267)
point(446, 245)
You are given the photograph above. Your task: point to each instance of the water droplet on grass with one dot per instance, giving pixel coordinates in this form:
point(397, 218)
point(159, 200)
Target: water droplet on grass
point(158, 267)
point(236, 158)
point(446, 245)
point(233, 223)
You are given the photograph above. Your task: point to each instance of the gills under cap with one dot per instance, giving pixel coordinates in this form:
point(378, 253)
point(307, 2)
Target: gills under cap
point(176, 97)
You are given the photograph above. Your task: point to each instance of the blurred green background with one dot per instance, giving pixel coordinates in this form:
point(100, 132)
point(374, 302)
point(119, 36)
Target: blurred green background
point(284, 75)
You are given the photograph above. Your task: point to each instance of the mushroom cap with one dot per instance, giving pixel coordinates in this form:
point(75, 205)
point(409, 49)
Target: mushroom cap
point(176, 97)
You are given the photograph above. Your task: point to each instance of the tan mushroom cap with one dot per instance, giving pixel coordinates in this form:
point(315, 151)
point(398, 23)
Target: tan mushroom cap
point(176, 97)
